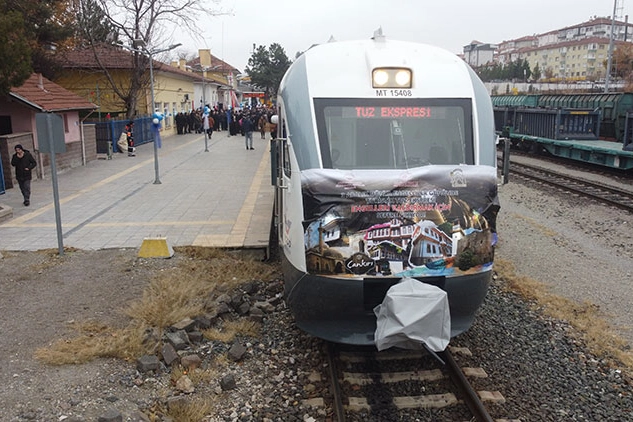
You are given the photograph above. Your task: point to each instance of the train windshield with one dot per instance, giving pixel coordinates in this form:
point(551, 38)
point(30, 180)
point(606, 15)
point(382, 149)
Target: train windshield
point(394, 133)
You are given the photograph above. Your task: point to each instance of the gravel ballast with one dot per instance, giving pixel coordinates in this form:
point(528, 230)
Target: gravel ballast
point(578, 249)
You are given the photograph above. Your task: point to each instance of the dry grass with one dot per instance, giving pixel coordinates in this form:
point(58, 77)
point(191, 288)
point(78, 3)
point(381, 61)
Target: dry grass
point(231, 329)
point(194, 410)
point(586, 318)
point(95, 341)
point(198, 375)
point(171, 296)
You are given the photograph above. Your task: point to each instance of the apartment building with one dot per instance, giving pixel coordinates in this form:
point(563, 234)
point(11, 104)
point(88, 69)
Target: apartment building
point(574, 53)
point(477, 53)
point(576, 60)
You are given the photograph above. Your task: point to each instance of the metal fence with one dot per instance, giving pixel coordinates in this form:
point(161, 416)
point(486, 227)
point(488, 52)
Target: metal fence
point(108, 133)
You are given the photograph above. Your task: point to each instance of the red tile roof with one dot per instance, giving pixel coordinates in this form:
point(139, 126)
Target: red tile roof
point(45, 95)
point(217, 62)
point(84, 58)
point(116, 58)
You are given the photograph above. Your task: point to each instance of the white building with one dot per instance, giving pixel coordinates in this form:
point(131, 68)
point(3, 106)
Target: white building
point(574, 53)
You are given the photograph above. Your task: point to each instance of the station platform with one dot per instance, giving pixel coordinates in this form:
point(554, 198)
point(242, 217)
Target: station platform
point(216, 198)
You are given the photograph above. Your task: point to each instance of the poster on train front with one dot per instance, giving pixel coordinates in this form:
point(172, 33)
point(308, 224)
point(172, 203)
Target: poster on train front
point(429, 221)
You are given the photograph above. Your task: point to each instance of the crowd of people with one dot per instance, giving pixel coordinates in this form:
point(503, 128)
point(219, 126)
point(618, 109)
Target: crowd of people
point(238, 122)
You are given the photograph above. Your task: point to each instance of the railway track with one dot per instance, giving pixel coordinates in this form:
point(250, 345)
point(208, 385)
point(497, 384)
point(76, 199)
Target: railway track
point(397, 385)
point(603, 193)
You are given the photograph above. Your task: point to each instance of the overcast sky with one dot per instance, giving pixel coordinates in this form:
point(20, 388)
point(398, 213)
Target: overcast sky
point(451, 24)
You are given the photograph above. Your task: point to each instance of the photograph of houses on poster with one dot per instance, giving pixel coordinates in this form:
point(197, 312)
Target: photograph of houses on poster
point(414, 231)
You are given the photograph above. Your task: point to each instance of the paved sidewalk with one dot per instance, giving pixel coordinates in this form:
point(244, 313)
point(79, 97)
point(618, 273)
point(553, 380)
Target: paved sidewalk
point(219, 198)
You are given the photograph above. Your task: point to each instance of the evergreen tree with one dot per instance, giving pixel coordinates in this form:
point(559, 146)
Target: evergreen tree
point(15, 66)
point(44, 29)
point(267, 67)
point(537, 72)
point(93, 25)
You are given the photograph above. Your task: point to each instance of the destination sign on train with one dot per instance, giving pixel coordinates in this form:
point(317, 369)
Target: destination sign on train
point(389, 112)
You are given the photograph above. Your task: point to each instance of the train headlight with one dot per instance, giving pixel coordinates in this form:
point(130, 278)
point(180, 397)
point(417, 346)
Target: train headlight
point(391, 78)
point(380, 78)
point(403, 78)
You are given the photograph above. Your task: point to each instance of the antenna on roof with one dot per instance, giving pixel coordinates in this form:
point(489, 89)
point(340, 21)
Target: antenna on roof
point(378, 35)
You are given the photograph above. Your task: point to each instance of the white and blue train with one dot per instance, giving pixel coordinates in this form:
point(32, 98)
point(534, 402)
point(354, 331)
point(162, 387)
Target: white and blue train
point(384, 167)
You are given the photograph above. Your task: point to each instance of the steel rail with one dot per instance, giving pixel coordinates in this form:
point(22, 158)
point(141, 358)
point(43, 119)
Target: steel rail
point(607, 194)
point(337, 396)
point(471, 398)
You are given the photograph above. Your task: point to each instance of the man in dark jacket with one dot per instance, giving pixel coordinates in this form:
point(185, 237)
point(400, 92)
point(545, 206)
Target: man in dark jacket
point(23, 162)
point(247, 127)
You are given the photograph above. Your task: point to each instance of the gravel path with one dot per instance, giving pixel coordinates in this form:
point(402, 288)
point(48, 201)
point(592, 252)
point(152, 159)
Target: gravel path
point(580, 249)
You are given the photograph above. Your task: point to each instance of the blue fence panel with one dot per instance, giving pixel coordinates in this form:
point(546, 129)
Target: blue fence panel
point(108, 133)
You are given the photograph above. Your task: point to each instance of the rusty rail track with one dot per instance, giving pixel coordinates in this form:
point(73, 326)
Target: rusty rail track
point(394, 385)
point(603, 193)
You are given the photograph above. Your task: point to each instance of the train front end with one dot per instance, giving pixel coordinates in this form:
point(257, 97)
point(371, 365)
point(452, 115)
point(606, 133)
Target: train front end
point(385, 168)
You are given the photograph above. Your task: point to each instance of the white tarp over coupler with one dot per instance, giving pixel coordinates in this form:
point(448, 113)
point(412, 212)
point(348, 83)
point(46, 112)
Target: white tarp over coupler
point(413, 315)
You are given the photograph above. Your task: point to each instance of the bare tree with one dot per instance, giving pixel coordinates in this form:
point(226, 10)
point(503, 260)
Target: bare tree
point(145, 20)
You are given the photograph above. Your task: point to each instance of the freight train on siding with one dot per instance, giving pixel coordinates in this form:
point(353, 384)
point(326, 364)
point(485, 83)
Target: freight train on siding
point(384, 167)
point(589, 127)
point(611, 108)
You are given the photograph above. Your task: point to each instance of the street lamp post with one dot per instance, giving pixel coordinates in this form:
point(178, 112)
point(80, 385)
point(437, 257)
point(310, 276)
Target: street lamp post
point(153, 109)
point(204, 104)
point(140, 45)
point(203, 70)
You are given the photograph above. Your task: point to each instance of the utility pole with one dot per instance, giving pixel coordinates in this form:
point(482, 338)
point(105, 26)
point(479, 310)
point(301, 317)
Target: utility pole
point(610, 54)
point(140, 46)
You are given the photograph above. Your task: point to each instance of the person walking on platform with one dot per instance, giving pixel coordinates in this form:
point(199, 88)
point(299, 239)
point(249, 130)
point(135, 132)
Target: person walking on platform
point(23, 162)
point(247, 128)
point(263, 121)
point(130, 139)
point(208, 123)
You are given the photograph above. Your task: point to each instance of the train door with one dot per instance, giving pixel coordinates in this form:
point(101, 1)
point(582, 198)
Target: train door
point(280, 161)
